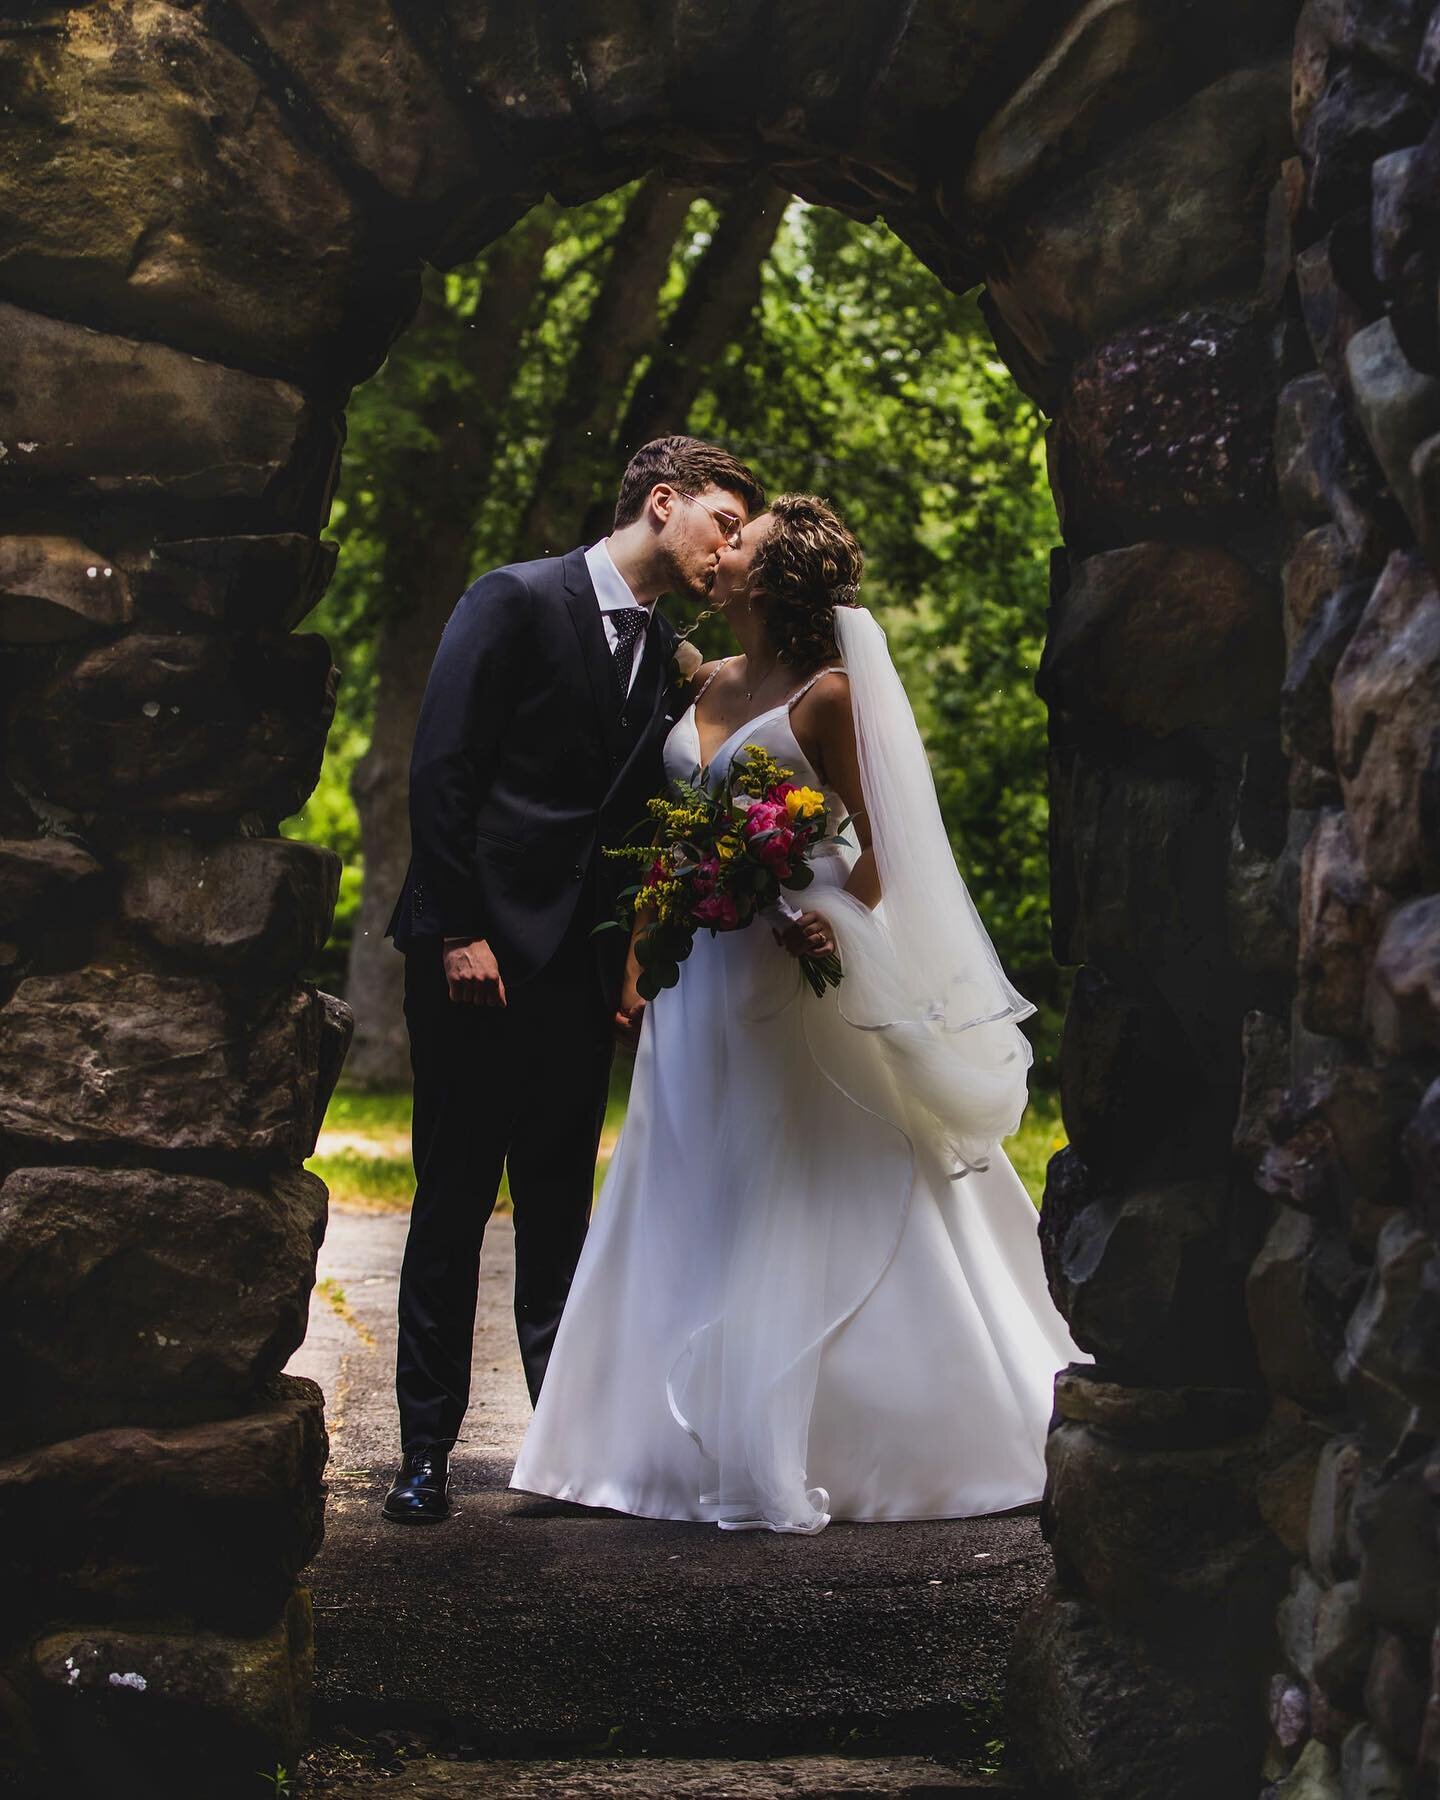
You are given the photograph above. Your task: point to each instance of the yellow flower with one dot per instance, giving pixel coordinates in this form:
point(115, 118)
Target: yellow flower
point(757, 771)
point(664, 896)
point(727, 848)
point(804, 804)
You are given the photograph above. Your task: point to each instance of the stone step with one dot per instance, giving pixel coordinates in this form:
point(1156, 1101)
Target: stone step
point(791, 1778)
point(523, 1627)
point(527, 1628)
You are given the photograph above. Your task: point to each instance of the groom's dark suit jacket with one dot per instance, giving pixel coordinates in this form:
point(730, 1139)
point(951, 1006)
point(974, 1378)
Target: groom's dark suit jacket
point(526, 762)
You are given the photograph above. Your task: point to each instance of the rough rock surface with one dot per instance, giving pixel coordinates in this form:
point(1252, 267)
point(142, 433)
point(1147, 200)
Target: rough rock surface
point(236, 1704)
point(52, 588)
point(1151, 1534)
point(257, 904)
point(176, 1296)
point(1125, 1713)
point(208, 1523)
point(1164, 420)
point(179, 725)
point(1204, 628)
point(1405, 992)
point(1346, 1295)
point(1385, 729)
point(1340, 910)
point(258, 254)
point(109, 1058)
point(37, 873)
point(97, 416)
point(1126, 239)
point(246, 583)
point(1142, 1276)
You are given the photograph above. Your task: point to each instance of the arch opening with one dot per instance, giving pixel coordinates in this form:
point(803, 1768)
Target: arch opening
point(216, 222)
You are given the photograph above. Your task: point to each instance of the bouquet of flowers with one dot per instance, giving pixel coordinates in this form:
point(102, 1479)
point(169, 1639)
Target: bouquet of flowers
point(719, 859)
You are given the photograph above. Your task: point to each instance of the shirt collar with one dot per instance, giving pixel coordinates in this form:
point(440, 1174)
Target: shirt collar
point(611, 588)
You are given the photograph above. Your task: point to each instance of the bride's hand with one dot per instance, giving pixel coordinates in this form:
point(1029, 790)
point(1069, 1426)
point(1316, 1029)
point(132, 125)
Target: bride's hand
point(810, 935)
point(629, 1016)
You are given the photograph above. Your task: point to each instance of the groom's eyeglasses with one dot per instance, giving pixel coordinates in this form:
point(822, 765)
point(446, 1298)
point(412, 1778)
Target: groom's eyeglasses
point(729, 523)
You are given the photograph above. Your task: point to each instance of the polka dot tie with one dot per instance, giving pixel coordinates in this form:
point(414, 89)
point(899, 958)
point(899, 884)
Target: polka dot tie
point(629, 623)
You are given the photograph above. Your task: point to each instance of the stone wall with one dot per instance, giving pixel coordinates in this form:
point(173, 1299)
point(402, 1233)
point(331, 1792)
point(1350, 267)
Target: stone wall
point(181, 277)
point(1139, 295)
point(211, 223)
point(1257, 921)
point(1342, 1119)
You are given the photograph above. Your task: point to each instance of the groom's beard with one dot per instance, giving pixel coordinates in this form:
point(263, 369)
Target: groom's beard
point(692, 584)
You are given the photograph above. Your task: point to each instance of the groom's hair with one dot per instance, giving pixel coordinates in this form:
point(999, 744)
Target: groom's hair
point(686, 463)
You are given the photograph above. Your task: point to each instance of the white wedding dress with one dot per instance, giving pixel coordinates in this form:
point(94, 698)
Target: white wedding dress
point(803, 1295)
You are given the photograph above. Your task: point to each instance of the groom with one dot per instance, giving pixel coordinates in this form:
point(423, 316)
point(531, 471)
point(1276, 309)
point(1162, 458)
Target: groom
point(539, 740)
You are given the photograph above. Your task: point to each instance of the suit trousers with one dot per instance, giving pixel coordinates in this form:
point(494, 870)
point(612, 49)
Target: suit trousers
point(522, 1086)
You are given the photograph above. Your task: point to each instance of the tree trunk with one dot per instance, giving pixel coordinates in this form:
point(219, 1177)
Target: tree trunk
point(577, 471)
point(718, 300)
point(432, 502)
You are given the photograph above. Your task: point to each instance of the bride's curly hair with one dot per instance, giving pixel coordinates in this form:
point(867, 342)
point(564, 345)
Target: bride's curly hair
point(807, 564)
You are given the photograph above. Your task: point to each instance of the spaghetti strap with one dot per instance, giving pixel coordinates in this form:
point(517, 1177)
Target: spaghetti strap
point(800, 692)
point(705, 687)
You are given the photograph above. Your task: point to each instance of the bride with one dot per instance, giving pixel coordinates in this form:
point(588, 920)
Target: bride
point(812, 1289)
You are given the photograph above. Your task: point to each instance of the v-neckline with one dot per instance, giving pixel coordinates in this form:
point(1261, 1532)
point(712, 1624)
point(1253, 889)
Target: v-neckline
point(705, 767)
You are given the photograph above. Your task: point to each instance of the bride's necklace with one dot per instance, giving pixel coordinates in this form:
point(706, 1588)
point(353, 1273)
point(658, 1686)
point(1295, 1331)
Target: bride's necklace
point(750, 691)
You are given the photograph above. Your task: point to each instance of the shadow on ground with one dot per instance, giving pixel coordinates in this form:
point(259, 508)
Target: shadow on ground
point(525, 1628)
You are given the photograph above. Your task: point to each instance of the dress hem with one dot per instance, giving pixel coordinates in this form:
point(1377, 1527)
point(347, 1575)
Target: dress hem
point(573, 1497)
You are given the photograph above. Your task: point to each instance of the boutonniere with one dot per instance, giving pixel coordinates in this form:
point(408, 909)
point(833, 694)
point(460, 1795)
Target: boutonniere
point(686, 660)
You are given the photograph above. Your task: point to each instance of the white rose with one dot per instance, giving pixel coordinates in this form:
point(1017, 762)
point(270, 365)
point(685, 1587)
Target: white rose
point(687, 660)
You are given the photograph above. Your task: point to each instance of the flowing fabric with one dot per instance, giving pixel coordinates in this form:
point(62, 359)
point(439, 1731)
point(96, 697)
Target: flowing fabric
point(812, 1287)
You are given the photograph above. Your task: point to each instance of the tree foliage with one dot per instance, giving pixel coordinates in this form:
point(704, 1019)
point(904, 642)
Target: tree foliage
point(857, 376)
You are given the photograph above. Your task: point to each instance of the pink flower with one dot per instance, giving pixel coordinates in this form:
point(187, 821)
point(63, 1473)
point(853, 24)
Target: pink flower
point(707, 873)
point(775, 852)
point(764, 815)
point(781, 789)
point(718, 910)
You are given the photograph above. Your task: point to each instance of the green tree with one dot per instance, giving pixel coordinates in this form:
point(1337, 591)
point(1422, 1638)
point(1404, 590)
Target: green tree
point(823, 354)
point(863, 379)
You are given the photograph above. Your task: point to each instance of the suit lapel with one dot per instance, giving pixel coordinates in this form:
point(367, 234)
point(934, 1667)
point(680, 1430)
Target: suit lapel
point(599, 666)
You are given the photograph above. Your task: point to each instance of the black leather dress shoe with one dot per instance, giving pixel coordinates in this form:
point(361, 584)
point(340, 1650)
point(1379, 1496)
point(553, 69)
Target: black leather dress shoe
point(421, 1494)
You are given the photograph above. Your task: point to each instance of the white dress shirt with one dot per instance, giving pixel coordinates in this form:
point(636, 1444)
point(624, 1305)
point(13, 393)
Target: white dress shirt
point(613, 592)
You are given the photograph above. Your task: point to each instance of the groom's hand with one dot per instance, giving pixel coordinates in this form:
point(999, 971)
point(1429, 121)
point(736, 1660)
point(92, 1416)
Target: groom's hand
point(628, 1020)
point(472, 973)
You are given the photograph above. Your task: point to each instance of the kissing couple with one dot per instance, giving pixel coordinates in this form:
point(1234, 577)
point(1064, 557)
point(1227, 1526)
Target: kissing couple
point(813, 1287)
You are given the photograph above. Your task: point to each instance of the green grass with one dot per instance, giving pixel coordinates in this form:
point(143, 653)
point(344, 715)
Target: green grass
point(369, 1110)
point(1040, 1135)
point(374, 1183)
point(381, 1179)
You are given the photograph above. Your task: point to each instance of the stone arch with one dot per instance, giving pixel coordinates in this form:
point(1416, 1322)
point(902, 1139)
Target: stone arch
point(213, 221)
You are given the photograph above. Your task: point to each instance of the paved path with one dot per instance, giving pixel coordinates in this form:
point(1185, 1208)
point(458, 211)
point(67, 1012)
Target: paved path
point(524, 1628)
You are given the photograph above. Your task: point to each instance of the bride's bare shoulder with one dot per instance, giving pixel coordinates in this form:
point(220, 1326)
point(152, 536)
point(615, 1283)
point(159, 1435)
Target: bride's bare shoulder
point(700, 678)
point(827, 697)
